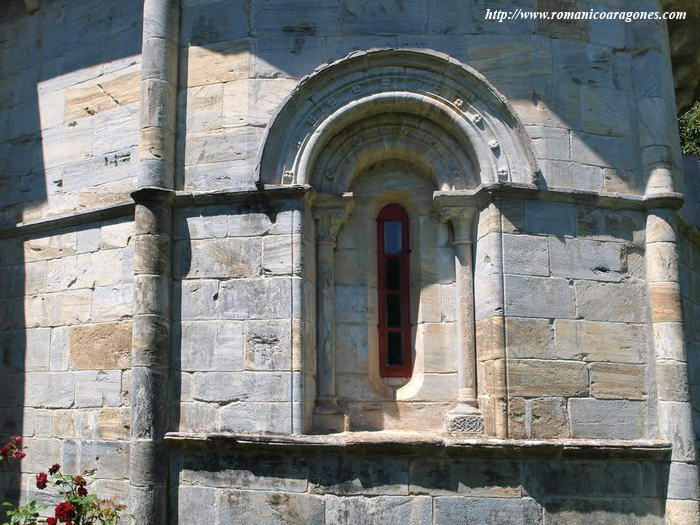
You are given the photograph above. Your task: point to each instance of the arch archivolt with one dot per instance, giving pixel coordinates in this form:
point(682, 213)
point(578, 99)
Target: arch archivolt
point(432, 101)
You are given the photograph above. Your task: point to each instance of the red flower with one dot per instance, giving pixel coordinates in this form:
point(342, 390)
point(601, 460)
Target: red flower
point(51, 521)
point(79, 480)
point(17, 440)
point(82, 491)
point(41, 480)
point(5, 451)
point(65, 512)
point(55, 468)
point(18, 454)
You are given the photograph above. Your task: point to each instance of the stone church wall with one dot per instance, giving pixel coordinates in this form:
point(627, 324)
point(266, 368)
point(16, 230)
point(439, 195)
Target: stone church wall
point(571, 349)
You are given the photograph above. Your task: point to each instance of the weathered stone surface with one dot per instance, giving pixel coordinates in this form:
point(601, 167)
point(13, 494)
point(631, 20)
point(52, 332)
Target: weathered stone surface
point(90, 100)
point(611, 511)
point(100, 346)
point(50, 389)
point(566, 479)
point(256, 298)
point(598, 150)
point(346, 475)
point(582, 259)
point(593, 418)
point(525, 254)
point(242, 386)
point(112, 303)
point(196, 504)
point(538, 297)
point(252, 508)
point(444, 477)
point(527, 338)
point(623, 302)
point(268, 345)
point(672, 381)
point(610, 225)
point(215, 63)
point(257, 417)
point(600, 341)
point(551, 218)
point(548, 418)
point(210, 345)
point(533, 378)
point(679, 512)
point(219, 258)
point(617, 381)
point(197, 299)
point(665, 299)
point(269, 471)
point(392, 510)
point(113, 424)
point(98, 388)
point(489, 511)
point(550, 143)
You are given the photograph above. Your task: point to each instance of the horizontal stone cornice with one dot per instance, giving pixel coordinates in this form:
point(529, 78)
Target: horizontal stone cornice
point(417, 443)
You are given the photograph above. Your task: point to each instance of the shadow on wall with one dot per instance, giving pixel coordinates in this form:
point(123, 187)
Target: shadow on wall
point(49, 156)
point(326, 486)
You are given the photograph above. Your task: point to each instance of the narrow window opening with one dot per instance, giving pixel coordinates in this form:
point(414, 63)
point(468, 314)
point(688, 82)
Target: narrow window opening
point(394, 292)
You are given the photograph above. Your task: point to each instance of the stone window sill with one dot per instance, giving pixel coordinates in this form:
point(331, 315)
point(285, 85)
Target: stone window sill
point(405, 442)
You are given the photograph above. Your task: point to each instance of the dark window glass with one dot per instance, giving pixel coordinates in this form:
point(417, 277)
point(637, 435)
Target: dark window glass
point(393, 310)
point(392, 237)
point(393, 274)
point(394, 349)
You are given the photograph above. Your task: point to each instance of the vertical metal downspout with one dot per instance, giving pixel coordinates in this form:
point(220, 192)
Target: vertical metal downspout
point(148, 464)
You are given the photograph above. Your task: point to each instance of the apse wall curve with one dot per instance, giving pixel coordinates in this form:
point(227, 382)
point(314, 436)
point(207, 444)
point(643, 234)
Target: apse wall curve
point(421, 106)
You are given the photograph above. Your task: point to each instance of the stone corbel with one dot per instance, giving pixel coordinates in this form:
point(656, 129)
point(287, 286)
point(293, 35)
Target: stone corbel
point(460, 211)
point(329, 213)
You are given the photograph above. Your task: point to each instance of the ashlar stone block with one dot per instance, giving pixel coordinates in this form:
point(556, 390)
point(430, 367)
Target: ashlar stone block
point(598, 418)
point(617, 381)
point(538, 297)
point(583, 259)
point(600, 341)
point(525, 254)
point(599, 301)
point(390, 510)
point(275, 508)
point(268, 345)
point(210, 345)
point(535, 378)
point(219, 258)
point(105, 346)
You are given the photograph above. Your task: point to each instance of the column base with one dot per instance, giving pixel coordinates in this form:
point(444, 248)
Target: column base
point(330, 418)
point(464, 419)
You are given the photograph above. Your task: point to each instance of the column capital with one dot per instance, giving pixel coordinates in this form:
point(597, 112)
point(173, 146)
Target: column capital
point(459, 211)
point(330, 212)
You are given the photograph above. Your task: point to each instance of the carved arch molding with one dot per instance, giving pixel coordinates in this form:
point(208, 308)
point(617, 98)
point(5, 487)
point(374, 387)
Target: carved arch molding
point(417, 106)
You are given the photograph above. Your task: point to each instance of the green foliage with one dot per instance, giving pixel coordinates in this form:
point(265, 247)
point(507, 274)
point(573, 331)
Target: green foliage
point(25, 515)
point(689, 127)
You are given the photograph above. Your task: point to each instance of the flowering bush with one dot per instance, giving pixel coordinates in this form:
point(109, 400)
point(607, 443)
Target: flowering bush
point(78, 507)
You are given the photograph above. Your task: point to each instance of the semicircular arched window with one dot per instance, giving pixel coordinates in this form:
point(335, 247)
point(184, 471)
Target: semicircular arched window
point(393, 251)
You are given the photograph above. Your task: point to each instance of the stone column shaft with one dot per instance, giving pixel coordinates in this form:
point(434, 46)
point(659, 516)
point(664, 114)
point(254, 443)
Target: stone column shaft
point(465, 416)
point(330, 214)
point(671, 363)
point(148, 460)
point(325, 322)
point(465, 323)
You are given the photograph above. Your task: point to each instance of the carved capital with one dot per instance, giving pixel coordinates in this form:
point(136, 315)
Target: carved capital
point(330, 213)
point(460, 212)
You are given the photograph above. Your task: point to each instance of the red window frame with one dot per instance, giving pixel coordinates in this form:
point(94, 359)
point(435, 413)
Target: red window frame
point(394, 212)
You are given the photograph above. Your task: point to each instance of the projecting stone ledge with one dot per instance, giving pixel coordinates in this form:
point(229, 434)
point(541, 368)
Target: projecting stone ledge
point(414, 442)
